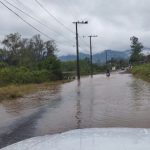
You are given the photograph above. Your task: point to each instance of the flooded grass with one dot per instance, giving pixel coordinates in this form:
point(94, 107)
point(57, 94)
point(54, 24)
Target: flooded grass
point(17, 91)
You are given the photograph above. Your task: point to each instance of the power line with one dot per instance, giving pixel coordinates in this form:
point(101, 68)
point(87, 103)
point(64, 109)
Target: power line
point(57, 20)
point(76, 12)
point(32, 18)
point(25, 21)
point(28, 22)
point(64, 3)
point(47, 11)
point(26, 14)
point(23, 5)
point(73, 14)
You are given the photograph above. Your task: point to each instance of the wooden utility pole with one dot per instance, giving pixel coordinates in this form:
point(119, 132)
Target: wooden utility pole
point(91, 56)
point(106, 58)
point(77, 46)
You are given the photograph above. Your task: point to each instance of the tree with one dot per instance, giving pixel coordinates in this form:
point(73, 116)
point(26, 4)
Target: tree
point(50, 48)
point(38, 46)
point(12, 44)
point(53, 65)
point(19, 51)
point(136, 49)
point(24, 60)
point(3, 55)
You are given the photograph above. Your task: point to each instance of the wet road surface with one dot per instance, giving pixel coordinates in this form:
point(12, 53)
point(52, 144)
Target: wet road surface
point(118, 101)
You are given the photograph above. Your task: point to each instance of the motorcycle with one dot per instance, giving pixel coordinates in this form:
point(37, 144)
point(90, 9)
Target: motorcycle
point(108, 74)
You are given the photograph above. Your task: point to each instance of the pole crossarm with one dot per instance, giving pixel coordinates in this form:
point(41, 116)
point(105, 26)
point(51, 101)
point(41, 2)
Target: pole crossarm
point(93, 36)
point(81, 22)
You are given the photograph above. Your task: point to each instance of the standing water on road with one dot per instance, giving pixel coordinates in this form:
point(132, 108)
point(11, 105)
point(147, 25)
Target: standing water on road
point(118, 101)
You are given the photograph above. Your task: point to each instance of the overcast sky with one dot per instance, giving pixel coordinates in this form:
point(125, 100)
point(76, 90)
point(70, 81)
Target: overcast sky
point(114, 21)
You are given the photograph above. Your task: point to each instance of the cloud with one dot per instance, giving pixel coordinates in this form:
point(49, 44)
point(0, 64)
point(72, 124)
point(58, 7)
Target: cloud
point(114, 21)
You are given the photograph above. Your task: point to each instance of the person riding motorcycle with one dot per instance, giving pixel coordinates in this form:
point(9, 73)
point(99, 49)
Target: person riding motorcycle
point(108, 73)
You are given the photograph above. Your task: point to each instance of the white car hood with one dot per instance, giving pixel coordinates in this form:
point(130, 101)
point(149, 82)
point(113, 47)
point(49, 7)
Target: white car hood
point(89, 139)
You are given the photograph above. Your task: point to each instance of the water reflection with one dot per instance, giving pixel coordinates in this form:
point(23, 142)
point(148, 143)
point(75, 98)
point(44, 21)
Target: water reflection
point(78, 99)
point(91, 104)
point(118, 101)
point(140, 93)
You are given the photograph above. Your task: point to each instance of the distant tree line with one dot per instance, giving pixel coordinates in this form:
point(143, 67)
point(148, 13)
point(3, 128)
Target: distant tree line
point(27, 60)
point(33, 60)
point(85, 69)
point(118, 63)
point(19, 51)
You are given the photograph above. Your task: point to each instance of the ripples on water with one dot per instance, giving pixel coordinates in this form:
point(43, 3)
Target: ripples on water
point(118, 101)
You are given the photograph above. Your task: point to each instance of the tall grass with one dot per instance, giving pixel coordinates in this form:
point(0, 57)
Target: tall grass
point(142, 71)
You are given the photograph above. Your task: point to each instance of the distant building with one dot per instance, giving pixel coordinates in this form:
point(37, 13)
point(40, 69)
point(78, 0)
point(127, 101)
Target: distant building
point(113, 68)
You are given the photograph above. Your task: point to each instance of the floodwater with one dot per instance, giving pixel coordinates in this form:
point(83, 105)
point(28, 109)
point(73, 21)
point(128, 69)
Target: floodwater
point(118, 101)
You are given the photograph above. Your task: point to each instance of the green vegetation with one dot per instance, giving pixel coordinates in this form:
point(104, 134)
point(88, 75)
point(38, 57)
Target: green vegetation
point(28, 60)
point(118, 63)
point(70, 66)
point(142, 71)
point(140, 63)
point(25, 64)
point(136, 49)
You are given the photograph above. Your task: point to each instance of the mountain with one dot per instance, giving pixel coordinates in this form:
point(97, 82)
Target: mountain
point(99, 57)
point(73, 57)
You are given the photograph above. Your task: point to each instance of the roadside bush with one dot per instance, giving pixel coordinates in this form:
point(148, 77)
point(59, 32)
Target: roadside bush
point(53, 65)
point(22, 75)
point(3, 65)
point(41, 76)
point(142, 71)
point(6, 75)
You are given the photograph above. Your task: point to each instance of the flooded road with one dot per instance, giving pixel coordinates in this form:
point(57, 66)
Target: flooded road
point(118, 101)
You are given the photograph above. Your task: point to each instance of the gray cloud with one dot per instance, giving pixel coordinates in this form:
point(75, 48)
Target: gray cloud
point(115, 21)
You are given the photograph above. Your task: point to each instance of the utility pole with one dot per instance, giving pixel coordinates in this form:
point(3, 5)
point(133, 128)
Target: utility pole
point(91, 56)
point(106, 58)
point(77, 46)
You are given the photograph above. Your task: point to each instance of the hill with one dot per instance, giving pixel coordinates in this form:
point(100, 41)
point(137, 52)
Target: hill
point(99, 57)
